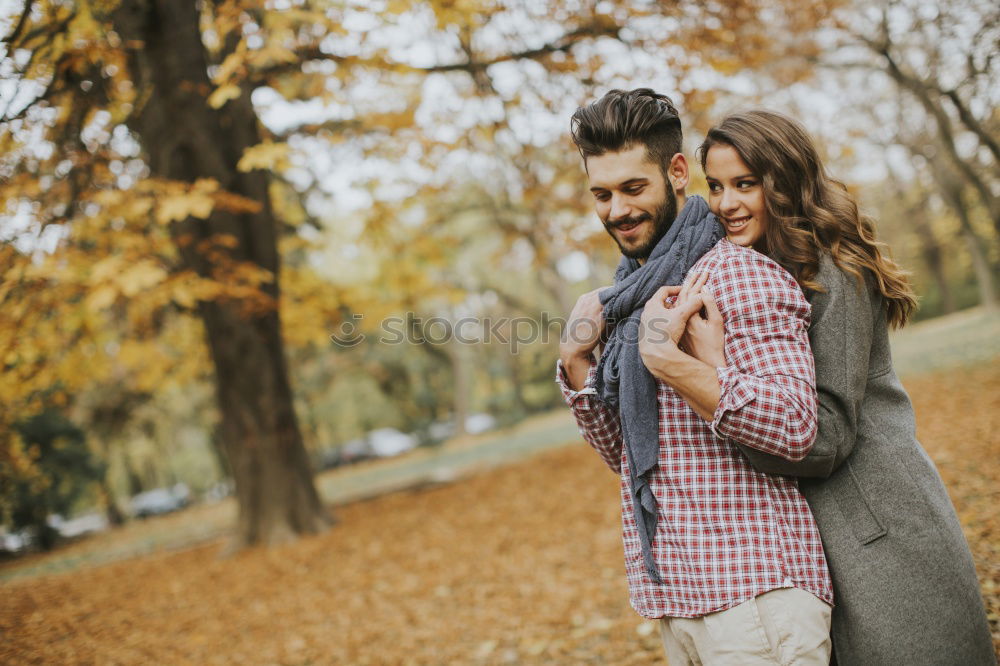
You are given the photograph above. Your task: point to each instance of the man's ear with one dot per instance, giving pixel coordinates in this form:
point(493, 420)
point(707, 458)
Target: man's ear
point(678, 172)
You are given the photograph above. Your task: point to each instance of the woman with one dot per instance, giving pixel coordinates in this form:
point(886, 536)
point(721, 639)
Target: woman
point(905, 586)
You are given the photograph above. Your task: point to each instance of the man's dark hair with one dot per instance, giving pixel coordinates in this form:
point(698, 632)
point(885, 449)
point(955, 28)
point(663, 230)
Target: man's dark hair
point(623, 119)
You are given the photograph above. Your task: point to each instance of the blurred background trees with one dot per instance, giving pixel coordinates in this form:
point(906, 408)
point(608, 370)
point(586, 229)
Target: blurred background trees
point(197, 195)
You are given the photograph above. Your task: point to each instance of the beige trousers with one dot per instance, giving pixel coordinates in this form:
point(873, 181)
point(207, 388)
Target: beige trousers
point(783, 626)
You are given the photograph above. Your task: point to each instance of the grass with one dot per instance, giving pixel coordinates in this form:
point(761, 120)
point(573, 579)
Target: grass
point(958, 340)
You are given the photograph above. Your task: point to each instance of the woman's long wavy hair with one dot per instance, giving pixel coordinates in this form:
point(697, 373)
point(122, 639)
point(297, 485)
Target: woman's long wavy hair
point(809, 212)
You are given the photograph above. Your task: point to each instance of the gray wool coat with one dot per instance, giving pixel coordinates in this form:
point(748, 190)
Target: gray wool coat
point(904, 583)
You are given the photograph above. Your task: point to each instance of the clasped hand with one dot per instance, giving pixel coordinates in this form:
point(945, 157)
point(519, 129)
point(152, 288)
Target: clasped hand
point(690, 324)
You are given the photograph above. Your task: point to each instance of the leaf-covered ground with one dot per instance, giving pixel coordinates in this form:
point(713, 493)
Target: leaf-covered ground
point(519, 565)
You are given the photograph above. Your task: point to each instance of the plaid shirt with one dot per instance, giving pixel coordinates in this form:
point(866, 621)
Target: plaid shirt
point(726, 532)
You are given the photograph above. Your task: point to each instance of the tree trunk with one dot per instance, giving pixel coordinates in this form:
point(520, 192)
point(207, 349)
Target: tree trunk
point(517, 382)
point(980, 262)
point(461, 367)
point(930, 250)
point(185, 140)
point(934, 259)
point(136, 484)
point(107, 498)
point(983, 270)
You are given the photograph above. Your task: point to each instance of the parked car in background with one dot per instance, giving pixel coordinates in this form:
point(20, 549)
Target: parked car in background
point(388, 442)
point(478, 423)
point(160, 500)
point(474, 425)
point(347, 453)
point(88, 523)
point(218, 491)
point(15, 541)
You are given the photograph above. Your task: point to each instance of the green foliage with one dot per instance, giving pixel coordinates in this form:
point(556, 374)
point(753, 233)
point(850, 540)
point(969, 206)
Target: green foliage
point(66, 468)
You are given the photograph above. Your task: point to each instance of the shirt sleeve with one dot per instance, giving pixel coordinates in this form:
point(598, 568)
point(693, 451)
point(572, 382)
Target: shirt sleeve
point(768, 391)
point(841, 328)
point(599, 424)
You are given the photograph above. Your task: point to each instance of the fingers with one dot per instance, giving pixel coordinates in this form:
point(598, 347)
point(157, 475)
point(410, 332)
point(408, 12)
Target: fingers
point(688, 295)
point(711, 307)
point(685, 288)
point(693, 284)
point(687, 307)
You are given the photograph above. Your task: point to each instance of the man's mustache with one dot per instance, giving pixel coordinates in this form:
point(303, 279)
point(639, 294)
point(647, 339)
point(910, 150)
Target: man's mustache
point(628, 220)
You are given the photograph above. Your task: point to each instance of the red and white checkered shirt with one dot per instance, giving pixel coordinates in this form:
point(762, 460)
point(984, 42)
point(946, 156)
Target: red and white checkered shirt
point(726, 532)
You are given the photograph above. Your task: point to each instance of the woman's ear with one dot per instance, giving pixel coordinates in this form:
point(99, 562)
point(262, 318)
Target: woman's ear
point(678, 173)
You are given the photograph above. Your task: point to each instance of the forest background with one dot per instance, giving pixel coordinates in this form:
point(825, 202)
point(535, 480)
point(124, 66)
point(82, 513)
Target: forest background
point(209, 209)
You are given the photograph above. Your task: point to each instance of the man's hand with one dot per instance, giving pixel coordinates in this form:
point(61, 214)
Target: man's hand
point(581, 337)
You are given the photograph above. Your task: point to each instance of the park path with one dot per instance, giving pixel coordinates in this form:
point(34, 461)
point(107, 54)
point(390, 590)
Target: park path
point(963, 339)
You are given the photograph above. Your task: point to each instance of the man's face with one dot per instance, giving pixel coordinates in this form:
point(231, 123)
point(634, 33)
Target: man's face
point(632, 199)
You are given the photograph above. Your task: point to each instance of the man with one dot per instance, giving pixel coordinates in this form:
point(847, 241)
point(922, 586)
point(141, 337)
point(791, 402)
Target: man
point(727, 557)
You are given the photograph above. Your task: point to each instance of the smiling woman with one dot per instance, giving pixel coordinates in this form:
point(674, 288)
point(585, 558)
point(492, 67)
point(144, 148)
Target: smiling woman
point(735, 195)
point(904, 581)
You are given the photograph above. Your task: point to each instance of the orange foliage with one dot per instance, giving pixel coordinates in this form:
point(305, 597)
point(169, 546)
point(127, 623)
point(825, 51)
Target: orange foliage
point(520, 565)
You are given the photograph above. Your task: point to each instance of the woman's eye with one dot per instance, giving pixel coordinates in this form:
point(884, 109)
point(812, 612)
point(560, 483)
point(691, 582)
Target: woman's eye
point(746, 184)
point(713, 187)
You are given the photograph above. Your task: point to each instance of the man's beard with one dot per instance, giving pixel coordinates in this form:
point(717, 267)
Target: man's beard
point(663, 217)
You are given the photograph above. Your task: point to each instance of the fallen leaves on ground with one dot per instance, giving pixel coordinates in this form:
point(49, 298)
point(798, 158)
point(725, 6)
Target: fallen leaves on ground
point(519, 565)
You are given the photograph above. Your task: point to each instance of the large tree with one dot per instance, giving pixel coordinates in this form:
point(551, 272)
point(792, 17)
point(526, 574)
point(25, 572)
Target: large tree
point(187, 140)
point(132, 137)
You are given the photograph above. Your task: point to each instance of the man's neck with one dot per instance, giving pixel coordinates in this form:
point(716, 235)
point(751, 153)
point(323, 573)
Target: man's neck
point(681, 201)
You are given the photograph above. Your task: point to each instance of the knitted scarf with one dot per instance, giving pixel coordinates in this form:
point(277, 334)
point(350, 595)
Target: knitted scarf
point(622, 379)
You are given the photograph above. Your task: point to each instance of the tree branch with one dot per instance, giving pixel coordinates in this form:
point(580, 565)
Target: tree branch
point(973, 124)
point(563, 44)
point(21, 22)
point(471, 66)
point(50, 89)
point(335, 126)
point(946, 135)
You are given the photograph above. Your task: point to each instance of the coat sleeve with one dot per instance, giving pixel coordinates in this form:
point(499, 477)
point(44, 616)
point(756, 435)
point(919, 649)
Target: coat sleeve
point(841, 340)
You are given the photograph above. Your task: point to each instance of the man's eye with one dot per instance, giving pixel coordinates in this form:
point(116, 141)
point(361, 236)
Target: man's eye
point(632, 190)
point(601, 196)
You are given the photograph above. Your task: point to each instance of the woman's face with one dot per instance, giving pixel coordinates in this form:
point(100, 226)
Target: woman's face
point(735, 195)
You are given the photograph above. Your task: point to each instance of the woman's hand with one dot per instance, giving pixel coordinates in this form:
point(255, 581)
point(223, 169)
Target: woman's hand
point(662, 326)
point(705, 336)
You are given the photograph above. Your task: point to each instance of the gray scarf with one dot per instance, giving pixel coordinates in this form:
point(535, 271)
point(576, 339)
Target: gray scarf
point(622, 379)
